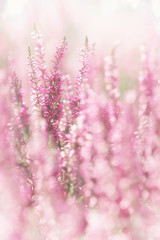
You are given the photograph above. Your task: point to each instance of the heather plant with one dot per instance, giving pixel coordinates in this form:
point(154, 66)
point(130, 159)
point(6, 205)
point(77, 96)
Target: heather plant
point(79, 162)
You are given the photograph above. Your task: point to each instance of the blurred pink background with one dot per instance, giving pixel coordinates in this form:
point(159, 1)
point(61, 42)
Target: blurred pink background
point(126, 23)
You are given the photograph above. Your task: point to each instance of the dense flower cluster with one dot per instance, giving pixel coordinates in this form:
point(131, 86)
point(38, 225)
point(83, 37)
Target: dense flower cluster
point(85, 163)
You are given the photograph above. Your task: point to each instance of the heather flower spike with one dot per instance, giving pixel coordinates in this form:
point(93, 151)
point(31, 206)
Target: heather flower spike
point(53, 105)
point(112, 83)
point(39, 54)
point(20, 132)
point(20, 119)
point(81, 83)
point(35, 85)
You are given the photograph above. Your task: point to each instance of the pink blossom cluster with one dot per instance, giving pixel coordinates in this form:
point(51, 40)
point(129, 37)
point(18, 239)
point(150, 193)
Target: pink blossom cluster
point(79, 162)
